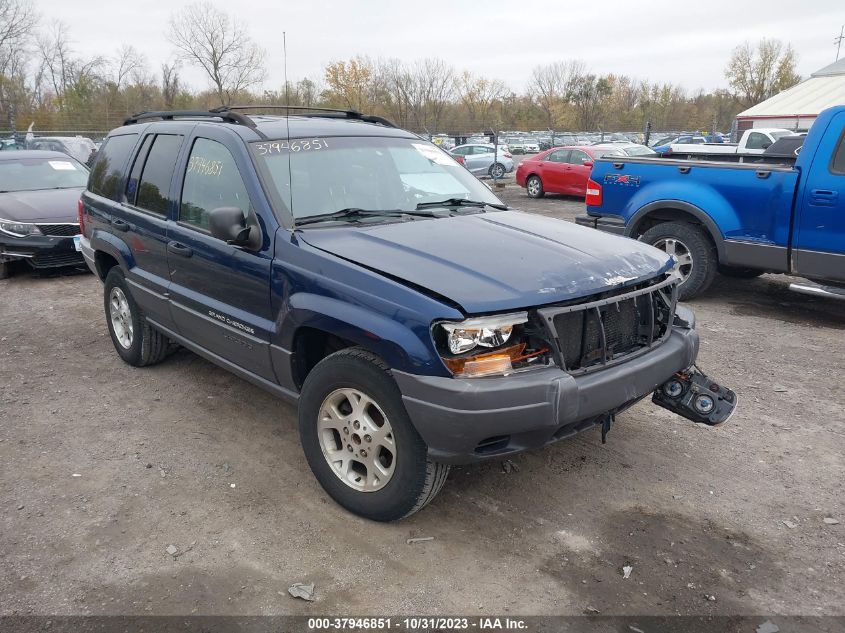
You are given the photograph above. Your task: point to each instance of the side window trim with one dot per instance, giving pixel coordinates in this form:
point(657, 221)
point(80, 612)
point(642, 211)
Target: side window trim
point(140, 161)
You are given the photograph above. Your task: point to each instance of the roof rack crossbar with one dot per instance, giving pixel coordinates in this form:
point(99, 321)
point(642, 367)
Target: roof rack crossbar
point(170, 115)
point(313, 112)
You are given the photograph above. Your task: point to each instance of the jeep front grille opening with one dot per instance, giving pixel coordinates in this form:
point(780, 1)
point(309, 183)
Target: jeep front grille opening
point(599, 333)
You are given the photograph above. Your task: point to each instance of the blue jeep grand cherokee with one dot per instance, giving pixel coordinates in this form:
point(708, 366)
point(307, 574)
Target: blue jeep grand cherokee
point(359, 271)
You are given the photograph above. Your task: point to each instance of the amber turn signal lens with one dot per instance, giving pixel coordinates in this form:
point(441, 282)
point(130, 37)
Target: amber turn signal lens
point(491, 364)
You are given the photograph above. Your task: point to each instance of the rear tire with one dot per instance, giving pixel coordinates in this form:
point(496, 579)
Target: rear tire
point(350, 404)
point(534, 187)
point(694, 251)
point(135, 341)
point(497, 170)
point(740, 273)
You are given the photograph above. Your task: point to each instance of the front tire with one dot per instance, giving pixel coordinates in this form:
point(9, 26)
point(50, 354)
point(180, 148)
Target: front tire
point(135, 341)
point(534, 187)
point(695, 255)
point(359, 440)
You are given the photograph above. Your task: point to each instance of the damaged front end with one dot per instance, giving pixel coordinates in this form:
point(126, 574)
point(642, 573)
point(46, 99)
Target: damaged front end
point(614, 329)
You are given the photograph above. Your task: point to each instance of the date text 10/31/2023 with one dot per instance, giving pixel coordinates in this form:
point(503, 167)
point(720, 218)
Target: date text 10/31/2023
point(417, 624)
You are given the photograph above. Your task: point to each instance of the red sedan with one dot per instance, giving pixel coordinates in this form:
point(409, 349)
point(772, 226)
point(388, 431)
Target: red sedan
point(559, 170)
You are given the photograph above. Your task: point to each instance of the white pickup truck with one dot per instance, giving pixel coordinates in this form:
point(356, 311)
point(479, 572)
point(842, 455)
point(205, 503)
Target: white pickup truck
point(753, 141)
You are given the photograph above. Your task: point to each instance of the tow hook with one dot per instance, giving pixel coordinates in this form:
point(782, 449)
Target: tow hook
point(693, 395)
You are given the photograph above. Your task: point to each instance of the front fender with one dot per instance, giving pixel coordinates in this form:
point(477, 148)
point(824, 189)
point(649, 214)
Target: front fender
point(401, 347)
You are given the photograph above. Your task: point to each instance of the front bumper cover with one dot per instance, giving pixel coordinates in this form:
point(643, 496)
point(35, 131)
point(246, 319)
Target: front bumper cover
point(40, 251)
point(468, 420)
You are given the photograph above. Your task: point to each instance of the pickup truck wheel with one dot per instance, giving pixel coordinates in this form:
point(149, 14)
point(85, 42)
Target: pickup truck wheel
point(534, 187)
point(136, 342)
point(695, 256)
point(359, 440)
point(740, 273)
point(497, 170)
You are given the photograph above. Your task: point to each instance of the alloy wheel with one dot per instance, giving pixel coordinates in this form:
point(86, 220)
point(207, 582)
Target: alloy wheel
point(121, 318)
point(680, 253)
point(357, 440)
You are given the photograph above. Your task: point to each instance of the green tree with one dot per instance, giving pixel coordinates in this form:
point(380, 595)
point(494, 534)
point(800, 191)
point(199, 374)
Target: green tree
point(756, 73)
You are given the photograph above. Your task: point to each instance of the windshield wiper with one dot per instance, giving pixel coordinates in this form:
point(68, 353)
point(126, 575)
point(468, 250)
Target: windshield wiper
point(355, 212)
point(459, 202)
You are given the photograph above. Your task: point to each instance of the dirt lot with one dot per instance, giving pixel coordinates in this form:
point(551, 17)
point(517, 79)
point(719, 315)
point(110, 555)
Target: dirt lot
point(105, 466)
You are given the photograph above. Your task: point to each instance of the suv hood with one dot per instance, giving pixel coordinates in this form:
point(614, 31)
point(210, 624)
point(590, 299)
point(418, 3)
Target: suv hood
point(495, 261)
point(42, 205)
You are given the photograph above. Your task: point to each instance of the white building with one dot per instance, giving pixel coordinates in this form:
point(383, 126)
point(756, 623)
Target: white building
point(797, 107)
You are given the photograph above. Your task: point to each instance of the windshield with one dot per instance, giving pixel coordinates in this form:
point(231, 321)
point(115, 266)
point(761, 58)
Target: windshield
point(327, 175)
point(31, 174)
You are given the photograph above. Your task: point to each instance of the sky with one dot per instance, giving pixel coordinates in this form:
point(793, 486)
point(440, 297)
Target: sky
point(678, 42)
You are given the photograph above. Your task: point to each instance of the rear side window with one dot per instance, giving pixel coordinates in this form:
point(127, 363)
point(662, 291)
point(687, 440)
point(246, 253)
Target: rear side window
point(837, 165)
point(154, 186)
point(107, 171)
point(559, 156)
point(212, 180)
point(577, 157)
point(756, 140)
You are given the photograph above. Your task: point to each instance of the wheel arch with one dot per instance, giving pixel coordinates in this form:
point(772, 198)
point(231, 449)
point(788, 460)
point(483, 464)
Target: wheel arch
point(108, 252)
point(674, 211)
point(320, 326)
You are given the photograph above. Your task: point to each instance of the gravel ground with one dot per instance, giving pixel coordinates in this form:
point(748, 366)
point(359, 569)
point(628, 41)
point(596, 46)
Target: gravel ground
point(104, 467)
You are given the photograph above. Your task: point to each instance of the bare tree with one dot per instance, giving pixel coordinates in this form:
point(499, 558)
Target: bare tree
point(18, 20)
point(478, 95)
point(432, 87)
point(65, 72)
point(757, 73)
point(550, 85)
point(128, 62)
point(169, 83)
point(219, 45)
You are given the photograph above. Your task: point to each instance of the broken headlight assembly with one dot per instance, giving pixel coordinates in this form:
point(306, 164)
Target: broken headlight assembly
point(18, 229)
point(489, 346)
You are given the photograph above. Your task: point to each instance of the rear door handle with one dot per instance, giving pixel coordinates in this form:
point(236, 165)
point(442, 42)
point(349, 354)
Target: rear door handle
point(120, 225)
point(824, 196)
point(179, 249)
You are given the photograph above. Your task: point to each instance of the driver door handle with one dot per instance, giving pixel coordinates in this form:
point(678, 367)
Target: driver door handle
point(179, 249)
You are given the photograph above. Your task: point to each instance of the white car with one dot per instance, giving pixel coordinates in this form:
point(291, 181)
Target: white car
point(481, 160)
point(753, 141)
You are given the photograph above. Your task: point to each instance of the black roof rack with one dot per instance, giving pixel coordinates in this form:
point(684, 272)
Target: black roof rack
point(169, 115)
point(309, 111)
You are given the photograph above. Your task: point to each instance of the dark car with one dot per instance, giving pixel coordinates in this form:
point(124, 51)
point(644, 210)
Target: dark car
point(358, 271)
point(39, 194)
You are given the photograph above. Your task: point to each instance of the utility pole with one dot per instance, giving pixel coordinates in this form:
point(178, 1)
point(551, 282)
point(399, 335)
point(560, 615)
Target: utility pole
point(838, 40)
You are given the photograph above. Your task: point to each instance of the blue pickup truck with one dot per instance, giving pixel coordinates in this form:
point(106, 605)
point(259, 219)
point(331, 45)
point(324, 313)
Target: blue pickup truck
point(740, 219)
point(358, 271)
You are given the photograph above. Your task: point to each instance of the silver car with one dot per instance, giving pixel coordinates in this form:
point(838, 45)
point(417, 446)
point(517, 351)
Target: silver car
point(480, 159)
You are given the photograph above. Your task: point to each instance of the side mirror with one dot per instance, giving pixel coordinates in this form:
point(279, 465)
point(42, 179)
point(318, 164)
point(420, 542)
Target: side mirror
point(766, 145)
point(587, 163)
point(228, 224)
